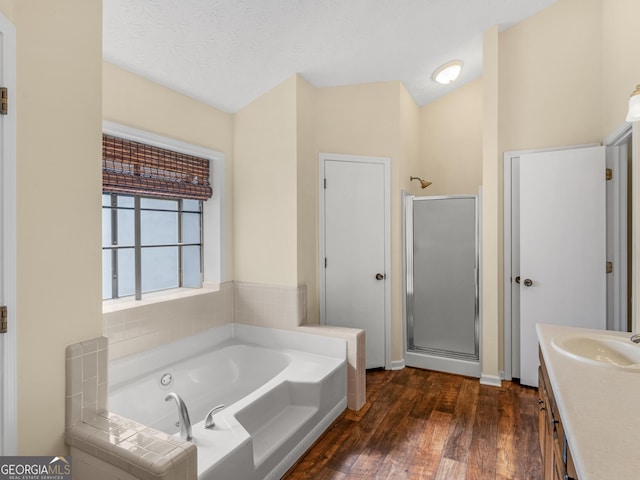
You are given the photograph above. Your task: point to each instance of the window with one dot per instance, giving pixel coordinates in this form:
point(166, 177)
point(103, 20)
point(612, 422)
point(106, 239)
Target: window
point(152, 217)
point(150, 244)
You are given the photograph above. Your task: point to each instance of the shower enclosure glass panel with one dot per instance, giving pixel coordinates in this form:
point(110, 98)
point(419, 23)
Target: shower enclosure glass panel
point(442, 293)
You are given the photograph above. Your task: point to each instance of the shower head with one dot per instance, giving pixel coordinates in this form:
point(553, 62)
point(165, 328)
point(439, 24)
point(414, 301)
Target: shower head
point(423, 183)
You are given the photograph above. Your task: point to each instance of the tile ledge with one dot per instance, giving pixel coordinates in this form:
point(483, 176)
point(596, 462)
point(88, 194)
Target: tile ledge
point(330, 330)
point(109, 434)
point(109, 306)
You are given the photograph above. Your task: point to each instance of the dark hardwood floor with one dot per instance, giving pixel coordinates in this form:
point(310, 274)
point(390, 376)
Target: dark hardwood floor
point(420, 424)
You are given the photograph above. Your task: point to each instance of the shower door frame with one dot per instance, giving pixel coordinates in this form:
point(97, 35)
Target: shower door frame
point(423, 358)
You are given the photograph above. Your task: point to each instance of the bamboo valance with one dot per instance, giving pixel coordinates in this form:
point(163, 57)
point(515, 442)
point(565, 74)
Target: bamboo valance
point(135, 168)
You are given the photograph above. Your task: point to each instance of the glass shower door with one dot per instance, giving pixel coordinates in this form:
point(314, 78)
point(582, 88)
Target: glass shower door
point(442, 283)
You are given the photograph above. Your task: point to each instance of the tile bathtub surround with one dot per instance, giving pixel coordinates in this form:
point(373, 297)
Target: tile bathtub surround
point(122, 445)
point(86, 380)
point(149, 324)
point(270, 305)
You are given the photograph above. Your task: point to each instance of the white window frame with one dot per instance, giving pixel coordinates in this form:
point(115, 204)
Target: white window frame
point(138, 248)
point(213, 210)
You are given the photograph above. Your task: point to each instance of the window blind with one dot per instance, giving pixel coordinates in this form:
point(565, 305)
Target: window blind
point(135, 168)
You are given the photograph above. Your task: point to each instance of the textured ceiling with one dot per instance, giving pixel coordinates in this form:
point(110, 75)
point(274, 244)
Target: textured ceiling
point(228, 52)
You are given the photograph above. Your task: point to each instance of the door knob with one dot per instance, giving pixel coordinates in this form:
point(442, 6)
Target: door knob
point(518, 279)
point(379, 276)
point(527, 282)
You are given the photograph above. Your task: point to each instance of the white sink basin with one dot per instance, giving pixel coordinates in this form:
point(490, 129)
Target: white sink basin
point(600, 349)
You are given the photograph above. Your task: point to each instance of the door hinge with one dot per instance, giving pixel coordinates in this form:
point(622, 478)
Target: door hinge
point(325, 262)
point(3, 319)
point(4, 101)
point(609, 267)
point(325, 183)
point(608, 174)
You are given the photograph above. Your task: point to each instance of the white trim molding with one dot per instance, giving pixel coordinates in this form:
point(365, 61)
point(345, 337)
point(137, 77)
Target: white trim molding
point(397, 364)
point(635, 228)
point(618, 145)
point(490, 380)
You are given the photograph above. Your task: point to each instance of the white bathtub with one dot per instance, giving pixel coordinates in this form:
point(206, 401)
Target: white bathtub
point(281, 390)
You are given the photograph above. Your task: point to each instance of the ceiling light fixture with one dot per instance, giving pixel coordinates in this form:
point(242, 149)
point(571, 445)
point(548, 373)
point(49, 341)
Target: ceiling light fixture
point(448, 73)
point(634, 106)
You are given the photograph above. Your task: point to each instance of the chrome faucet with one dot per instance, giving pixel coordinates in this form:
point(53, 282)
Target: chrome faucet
point(183, 416)
point(635, 338)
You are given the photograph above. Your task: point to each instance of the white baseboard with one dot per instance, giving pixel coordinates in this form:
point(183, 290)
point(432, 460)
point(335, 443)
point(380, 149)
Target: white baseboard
point(397, 364)
point(491, 380)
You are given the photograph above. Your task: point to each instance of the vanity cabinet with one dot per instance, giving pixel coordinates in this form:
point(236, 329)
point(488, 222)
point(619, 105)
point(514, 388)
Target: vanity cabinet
point(556, 456)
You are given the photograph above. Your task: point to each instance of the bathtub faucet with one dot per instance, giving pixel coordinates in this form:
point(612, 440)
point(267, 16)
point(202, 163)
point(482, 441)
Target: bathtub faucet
point(208, 420)
point(183, 416)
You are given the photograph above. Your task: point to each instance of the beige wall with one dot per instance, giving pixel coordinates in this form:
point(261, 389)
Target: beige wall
point(58, 194)
point(265, 188)
point(490, 308)
point(307, 153)
point(358, 119)
point(140, 103)
point(451, 143)
point(411, 141)
point(6, 7)
point(131, 100)
point(620, 54)
point(550, 78)
point(276, 190)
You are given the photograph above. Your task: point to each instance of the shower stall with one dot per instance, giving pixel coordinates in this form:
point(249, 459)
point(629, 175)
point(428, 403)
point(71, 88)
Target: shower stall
point(441, 283)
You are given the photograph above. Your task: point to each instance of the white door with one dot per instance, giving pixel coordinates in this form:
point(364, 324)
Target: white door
point(562, 245)
point(354, 266)
point(8, 397)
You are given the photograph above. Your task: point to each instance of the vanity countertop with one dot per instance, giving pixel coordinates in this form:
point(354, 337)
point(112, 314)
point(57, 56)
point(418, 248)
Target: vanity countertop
point(599, 407)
